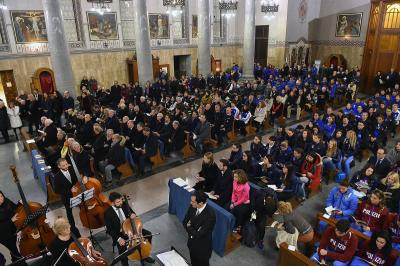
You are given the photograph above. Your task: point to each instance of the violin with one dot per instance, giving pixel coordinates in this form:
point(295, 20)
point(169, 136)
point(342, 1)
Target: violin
point(81, 252)
point(92, 211)
point(36, 235)
point(133, 228)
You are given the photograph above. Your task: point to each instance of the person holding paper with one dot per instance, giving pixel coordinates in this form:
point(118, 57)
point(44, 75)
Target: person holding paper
point(291, 226)
point(199, 223)
point(207, 177)
point(64, 180)
point(376, 251)
point(223, 187)
point(337, 245)
point(371, 215)
point(343, 203)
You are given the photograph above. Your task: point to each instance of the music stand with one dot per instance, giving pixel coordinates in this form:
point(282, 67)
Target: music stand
point(81, 199)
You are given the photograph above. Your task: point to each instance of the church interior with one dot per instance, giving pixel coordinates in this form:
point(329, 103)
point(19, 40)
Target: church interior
point(200, 132)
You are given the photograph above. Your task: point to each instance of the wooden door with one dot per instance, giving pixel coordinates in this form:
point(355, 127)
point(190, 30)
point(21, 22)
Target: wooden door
point(261, 46)
point(9, 87)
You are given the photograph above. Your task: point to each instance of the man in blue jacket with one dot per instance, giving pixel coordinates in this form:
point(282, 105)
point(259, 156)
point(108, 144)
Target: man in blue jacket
point(344, 201)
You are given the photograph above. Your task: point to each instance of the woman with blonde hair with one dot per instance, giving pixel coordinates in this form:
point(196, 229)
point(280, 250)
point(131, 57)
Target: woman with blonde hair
point(390, 186)
point(291, 226)
point(259, 114)
point(205, 180)
point(331, 160)
point(350, 147)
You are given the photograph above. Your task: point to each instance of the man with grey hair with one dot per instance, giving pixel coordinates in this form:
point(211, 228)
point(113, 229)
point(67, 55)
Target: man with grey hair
point(114, 158)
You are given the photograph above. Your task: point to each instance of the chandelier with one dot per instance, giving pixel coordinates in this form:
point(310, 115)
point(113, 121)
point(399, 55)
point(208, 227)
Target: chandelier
point(269, 8)
point(174, 7)
point(3, 5)
point(100, 6)
point(228, 8)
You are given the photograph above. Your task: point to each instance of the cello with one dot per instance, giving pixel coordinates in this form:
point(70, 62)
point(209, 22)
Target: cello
point(37, 235)
point(133, 228)
point(80, 252)
point(92, 211)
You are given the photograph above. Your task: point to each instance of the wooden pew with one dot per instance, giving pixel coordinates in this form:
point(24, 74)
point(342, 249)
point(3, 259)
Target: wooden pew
point(282, 121)
point(292, 258)
point(28, 147)
point(51, 195)
point(125, 170)
point(232, 134)
point(250, 130)
point(365, 153)
point(232, 242)
point(156, 160)
point(188, 150)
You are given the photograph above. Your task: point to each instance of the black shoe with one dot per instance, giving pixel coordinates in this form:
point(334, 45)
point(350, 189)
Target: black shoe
point(149, 260)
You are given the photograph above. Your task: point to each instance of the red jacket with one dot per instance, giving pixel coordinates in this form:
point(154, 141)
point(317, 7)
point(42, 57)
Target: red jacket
point(374, 216)
point(315, 169)
point(377, 257)
point(394, 229)
point(339, 248)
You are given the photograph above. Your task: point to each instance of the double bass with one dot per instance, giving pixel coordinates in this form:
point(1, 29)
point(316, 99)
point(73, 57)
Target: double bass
point(80, 252)
point(36, 235)
point(92, 211)
point(133, 228)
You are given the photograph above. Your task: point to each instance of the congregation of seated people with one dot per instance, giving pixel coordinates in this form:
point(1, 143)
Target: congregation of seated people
point(289, 166)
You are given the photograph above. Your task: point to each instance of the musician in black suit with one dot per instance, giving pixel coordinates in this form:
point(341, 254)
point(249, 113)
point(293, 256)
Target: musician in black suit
point(199, 222)
point(114, 217)
point(8, 236)
point(63, 182)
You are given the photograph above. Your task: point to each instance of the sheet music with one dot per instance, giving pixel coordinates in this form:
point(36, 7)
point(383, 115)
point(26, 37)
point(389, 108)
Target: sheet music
point(171, 258)
point(211, 196)
point(359, 194)
point(180, 182)
point(30, 141)
point(329, 210)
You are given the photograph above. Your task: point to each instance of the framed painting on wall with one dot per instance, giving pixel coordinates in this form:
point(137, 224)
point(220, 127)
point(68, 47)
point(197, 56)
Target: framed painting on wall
point(349, 25)
point(194, 26)
point(159, 26)
point(102, 26)
point(29, 26)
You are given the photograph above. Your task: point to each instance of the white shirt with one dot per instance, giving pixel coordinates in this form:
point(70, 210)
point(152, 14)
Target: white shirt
point(67, 175)
point(116, 211)
point(198, 211)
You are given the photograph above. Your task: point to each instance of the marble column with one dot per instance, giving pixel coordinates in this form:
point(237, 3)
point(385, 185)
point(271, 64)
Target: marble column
point(204, 49)
point(143, 47)
point(58, 46)
point(249, 39)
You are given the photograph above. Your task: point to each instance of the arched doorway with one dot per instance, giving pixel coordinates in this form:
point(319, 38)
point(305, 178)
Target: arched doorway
point(43, 80)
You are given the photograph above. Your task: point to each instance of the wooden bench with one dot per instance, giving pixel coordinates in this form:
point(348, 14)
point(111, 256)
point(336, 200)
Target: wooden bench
point(282, 121)
point(125, 170)
point(303, 114)
point(232, 242)
point(250, 130)
point(267, 124)
point(51, 195)
point(211, 142)
point(232, 134)
point(365, 153)
point(287, 257)
point(188, 150)
point(28, 147)
point(156, 160)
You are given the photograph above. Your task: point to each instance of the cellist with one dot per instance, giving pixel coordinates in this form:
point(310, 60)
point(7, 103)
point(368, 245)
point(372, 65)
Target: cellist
point(114, 217)
point(8, 236)
point(59, 246)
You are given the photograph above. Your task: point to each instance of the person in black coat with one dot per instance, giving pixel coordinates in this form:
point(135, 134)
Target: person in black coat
point(112, 122)
point(381, 164)
point(177, 139)
point(114, 216)
point(223, 187)
point(4, 122)
point(8, 237)
point(199, 223)
point(85, 134)
point(82, 160)
point(265, 204)
point(33, 113)
point(63, 183)
point(208, 174)
point(114, 158)
point(149, 149)
point(115, 93)
point(50, 134)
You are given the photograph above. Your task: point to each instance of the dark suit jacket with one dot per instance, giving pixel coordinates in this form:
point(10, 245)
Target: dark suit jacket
point(382, 169)
point(113, 225)
point(116, 155)
point(202, 130)
point(51, 135)
point(178, 139)
point(223, 187)
point(151, 145)
point(200, 231)
point(63, 187)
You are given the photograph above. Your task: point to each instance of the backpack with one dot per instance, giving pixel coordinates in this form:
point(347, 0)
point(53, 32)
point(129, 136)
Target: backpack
point(249, 234)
